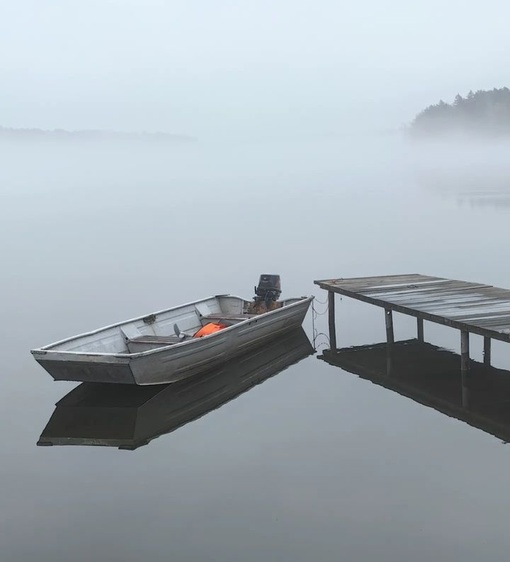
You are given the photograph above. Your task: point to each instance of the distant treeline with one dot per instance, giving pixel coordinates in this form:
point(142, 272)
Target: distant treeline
point(61, 134)
point(481, 112)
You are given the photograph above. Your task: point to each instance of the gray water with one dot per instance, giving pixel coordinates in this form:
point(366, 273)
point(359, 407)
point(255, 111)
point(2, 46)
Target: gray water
point(313, 464)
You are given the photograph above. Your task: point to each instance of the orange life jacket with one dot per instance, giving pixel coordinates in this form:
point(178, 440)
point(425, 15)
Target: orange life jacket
point(209, 329)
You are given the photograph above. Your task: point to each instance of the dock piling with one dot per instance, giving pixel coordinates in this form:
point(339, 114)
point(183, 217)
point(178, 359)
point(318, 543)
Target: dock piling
point(331, 320)
point(390, 336)
point(464, 352)
point(419, 322)
point(486, 351)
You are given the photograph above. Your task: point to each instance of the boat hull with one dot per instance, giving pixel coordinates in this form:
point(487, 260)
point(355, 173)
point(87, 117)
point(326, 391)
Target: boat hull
point(82, 371)
point(131, 416)
point(174, 363)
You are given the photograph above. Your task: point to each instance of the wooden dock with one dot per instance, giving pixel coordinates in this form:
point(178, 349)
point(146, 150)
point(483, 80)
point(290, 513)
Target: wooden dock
point(469, 307)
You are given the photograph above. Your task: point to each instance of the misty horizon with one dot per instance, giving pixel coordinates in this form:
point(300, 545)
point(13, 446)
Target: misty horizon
point(242, 70)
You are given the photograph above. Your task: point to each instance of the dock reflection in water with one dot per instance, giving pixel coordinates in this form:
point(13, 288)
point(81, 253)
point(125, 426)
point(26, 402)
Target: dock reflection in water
point(431, 376)
point(128, 416)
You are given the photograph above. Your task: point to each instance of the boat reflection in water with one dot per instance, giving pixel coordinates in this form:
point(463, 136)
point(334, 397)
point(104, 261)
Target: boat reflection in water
point(129, 416)
point(431, 376)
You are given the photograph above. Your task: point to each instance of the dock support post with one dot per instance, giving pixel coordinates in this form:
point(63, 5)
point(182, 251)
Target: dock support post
point(486, 351)
point(464, 367)
point(390, 337)
point(464, 352)
point(331, 320)
point(420, 329)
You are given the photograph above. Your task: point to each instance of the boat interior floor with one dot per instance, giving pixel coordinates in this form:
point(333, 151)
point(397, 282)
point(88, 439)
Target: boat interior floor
point(137, 343)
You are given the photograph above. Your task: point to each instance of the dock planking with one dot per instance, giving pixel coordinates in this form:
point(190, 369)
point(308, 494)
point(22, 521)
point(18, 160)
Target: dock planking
point(470, 307)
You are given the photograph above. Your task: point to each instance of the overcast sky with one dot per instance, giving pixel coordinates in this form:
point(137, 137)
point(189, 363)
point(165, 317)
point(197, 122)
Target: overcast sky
point(208, 67)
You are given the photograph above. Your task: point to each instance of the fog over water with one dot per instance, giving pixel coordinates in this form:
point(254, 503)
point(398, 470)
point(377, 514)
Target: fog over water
point(297, 169)
point(256, 69)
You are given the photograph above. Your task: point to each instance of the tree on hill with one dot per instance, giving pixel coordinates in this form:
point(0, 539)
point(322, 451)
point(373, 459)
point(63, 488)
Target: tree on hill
point(482, 112)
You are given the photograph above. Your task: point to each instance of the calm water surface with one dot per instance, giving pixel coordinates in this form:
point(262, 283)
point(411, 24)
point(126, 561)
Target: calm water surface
point(313, 464)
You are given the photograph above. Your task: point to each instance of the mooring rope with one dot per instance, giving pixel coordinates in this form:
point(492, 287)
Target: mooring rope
point(316, 346)
point(313, 325)
point(316, 312)
point(315, 315)
point(315, 333)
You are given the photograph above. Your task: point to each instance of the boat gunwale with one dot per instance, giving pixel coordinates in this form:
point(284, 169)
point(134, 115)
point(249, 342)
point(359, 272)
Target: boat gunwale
point(45, 350)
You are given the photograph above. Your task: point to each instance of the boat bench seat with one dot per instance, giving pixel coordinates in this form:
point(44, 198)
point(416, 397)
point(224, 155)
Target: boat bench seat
point(144, 343)
point(155, 339)
point(227, 318)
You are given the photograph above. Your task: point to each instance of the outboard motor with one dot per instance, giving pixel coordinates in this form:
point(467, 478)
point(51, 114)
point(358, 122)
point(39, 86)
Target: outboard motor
point(268, 289)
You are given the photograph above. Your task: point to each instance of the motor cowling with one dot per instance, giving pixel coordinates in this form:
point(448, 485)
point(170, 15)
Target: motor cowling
point(269, 288)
